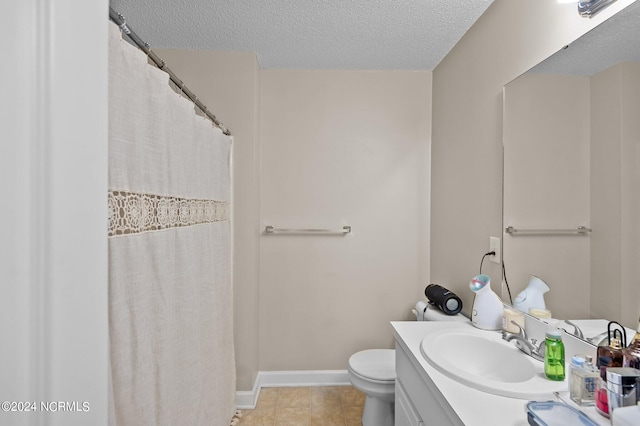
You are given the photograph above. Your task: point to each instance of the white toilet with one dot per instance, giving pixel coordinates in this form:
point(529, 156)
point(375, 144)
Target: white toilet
point(373, 371)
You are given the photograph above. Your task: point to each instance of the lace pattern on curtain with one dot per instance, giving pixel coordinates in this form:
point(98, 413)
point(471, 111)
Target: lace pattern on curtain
point(133, 213)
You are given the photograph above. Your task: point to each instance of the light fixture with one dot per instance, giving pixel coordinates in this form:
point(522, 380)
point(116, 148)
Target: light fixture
point(588, 8)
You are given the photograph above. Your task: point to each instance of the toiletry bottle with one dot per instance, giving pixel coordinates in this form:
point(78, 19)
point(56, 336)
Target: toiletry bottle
point(609, 356)
point(622, 387)
point(583, 380)
point(554, 355)
point(616, 339)
point(631, 355)
point(613, 351)
point(576, 378)
point(590, 382)
point(602, 402)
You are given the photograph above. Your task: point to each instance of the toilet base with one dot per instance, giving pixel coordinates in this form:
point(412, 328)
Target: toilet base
point(377, 412)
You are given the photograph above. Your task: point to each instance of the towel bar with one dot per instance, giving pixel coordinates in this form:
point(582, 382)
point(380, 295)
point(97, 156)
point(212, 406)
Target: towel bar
point(272, 230)
point(580, 230)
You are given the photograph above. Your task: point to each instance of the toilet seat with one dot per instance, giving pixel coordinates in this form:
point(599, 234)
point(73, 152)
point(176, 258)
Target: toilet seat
point(375, 365)
point(373, 371)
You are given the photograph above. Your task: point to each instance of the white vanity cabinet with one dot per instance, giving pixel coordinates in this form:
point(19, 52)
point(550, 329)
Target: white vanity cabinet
point(406, 414)
point(426, 396)
point(418, 400)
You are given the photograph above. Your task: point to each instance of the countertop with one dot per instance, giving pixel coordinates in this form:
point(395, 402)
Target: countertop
point(473, 407)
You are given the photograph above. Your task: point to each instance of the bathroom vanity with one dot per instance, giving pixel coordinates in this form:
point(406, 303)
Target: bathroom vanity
point(425, 395)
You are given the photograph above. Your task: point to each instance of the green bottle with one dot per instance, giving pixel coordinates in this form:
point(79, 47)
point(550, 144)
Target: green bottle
point(554, 355)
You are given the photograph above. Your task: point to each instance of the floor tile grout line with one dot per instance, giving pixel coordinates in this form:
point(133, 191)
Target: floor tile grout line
point(275, 412)
point(344, 414)
point(309, 407)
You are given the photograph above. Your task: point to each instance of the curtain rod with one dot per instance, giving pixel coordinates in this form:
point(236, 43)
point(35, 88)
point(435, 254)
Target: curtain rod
point(120, 21)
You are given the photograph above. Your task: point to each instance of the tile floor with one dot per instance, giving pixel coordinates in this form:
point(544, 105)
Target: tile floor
point(306, 406)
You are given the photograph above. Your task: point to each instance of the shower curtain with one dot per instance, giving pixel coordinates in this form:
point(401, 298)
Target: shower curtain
point(170, 296)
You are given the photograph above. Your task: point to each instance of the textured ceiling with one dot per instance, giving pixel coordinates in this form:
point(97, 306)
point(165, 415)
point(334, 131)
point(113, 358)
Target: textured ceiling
point(615, 40)
point(310, 34)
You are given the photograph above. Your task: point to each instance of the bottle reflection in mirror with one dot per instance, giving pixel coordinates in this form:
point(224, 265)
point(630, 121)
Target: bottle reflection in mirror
point(532, 297)
point(631, 354)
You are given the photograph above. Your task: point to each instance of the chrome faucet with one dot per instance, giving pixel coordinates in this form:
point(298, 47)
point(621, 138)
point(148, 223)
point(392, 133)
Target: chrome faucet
point(524, 344)
point(576, 330)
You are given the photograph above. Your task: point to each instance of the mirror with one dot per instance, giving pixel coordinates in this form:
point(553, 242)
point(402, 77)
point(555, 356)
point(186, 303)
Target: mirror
point(571, 135)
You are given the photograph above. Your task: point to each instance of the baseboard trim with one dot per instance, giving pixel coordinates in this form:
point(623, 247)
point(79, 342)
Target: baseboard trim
point(247, 400)
point(270, 379)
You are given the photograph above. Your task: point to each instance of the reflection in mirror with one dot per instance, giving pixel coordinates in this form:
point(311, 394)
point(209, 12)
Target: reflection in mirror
point(572, 158)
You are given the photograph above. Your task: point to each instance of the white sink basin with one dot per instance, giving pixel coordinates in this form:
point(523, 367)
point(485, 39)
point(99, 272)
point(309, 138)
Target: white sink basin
point(482, 360)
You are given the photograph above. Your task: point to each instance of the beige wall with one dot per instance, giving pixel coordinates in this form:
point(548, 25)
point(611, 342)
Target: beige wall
point(546, 186)
point(615, 205)
point(338, 148)
point(341, 148)
point(227, 83)
point(353, 147)
point(466, 191)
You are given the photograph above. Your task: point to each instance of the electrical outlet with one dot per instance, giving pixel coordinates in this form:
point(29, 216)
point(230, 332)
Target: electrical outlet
point(494, 245)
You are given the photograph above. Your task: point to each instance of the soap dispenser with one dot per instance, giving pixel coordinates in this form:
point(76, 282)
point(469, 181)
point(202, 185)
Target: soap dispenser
point(532, 296)
point(487, 307)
